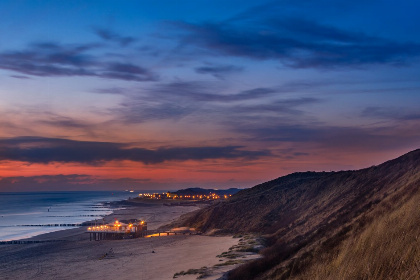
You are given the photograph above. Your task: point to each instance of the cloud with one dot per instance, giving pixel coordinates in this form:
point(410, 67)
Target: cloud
point(46, 150)
point(127, 71)
point(65, 122)
point(279, 107)
point(52, 59)
point(20, 77)
point(400, 114)
point(68, 182)
point(137, 110)
point(113, 90)
point(342, 138)
point(295, 42)
point(109, 35)
point(218, 71)
point(179, 99)
point(208, 100)
point(204, 92)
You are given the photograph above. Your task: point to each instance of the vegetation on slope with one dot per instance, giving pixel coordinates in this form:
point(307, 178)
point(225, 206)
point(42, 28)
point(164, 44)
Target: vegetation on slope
point(306, 214)
point(388, 248)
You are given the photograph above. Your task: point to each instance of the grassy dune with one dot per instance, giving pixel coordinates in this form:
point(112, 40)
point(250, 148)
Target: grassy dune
point(361, 224)
point(388, 248)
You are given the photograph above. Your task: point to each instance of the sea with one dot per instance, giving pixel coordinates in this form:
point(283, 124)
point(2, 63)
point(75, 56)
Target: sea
point(27, 214)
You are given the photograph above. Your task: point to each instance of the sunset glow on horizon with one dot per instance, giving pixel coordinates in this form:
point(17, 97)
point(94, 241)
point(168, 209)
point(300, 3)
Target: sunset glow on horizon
point(107, 95)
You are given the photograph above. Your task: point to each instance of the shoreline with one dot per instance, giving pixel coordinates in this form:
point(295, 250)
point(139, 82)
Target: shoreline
point(58, 229)
point(123, 209)
point(59, 211)
point(154, 258)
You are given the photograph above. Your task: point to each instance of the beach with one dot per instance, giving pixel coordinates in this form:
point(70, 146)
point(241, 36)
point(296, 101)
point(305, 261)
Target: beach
point(76, 257)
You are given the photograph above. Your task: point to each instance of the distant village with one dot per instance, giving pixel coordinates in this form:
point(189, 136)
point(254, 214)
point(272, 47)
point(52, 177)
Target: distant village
point(168, 195)
point(138, 228)
point(195, 194)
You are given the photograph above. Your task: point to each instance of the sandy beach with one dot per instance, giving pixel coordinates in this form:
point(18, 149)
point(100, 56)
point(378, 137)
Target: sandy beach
point(144, 258)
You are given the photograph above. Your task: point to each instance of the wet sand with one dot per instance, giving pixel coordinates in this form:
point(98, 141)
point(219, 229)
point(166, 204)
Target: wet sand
point(144, 258)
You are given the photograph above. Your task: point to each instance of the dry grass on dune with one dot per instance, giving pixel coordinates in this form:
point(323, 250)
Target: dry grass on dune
point(360, 224)
point(388, 248)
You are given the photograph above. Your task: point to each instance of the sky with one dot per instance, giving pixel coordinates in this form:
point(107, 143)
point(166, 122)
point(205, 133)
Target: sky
point(114, 95)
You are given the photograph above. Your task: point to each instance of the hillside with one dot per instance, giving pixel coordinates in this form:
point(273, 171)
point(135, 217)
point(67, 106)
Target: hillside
point(303, 214)
point(201, 191)
point(387, 248)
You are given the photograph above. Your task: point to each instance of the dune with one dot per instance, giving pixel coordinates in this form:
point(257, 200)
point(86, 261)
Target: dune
point(328, 225)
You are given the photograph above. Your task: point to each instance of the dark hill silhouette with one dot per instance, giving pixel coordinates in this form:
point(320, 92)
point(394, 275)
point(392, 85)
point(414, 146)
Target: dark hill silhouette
point(300, 212)
point(201, 191)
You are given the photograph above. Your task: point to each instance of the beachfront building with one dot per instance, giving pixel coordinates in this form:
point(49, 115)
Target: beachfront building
point(118, 230)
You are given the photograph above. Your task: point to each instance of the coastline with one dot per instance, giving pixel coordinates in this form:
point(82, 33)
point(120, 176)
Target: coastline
point(124, 209)
point(25, 215)
point(121, 209)
point(75, 257)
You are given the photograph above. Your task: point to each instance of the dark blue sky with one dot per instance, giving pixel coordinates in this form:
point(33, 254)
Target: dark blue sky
point(169, 94)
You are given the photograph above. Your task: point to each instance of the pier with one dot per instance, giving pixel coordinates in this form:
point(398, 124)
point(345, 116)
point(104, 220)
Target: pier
point(134, 229)
point(103, 235)
point(118, 230)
